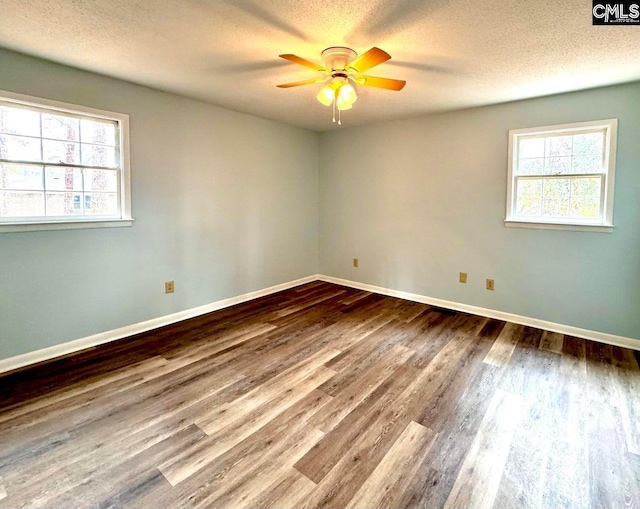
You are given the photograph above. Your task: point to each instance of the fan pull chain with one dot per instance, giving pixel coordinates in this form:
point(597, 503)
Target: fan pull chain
point(335, 100)
point(339, 116)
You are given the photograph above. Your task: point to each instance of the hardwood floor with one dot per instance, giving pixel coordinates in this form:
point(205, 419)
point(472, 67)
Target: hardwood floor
point(325, 396)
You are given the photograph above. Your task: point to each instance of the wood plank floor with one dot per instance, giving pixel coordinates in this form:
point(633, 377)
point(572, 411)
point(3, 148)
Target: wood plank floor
point(325, 396)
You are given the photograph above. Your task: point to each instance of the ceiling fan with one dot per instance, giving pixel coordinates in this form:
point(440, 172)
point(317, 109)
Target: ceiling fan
point(342, 65)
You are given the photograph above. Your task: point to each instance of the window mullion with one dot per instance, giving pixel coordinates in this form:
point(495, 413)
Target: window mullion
point(60, 165)
point(562, 176)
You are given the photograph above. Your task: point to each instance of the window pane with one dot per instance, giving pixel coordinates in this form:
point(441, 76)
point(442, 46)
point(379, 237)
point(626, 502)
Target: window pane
point(587, 164)
point(61, 152)
point(64, 204)
point(98, 155)
point(100, 180)
point(531, 147)
point(585, 208)
point(19, 148)
point(529, 206)
point(63, 179)
point(557, 188)
point(591, 143)
point(557, 165)
point(104, 204)
point(25, 177)
point(531, 166)
point(60, 127)
point(529, 197)
point(530, 187)
point(21, 204)
point(558, 146)
point(19, 121)
point(98, 132)
point(589, 187)
point(557, 207)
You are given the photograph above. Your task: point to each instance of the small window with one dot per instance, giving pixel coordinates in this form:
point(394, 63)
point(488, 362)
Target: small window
point(562, 176)
point(61, 166)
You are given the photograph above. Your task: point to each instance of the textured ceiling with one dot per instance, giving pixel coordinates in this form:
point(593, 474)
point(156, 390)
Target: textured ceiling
point(453, 53)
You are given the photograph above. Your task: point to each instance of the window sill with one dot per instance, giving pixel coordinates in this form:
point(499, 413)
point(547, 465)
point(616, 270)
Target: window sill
point(65, 225)
point(603, 228)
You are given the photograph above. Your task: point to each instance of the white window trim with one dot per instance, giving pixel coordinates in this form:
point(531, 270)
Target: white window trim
point(125, 176)
point(606, 225)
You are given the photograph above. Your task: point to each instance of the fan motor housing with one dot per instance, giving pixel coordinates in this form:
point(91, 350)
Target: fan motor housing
point(338, 57)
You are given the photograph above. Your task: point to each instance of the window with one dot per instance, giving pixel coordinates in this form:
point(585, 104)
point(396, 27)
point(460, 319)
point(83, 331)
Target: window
point(61, 166)
point(562, 176)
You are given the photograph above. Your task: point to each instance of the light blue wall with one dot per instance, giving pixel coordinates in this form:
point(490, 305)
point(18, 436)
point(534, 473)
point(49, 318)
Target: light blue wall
point(224, 203)
point(227, 203)
point(418, 201)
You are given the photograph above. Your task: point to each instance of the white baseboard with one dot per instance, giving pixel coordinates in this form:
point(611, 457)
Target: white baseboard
point(77, 345)
point(602, 337)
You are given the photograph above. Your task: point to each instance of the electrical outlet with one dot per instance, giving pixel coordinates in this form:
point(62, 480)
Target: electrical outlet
point(355, 262)
point(463, 277)
point(491, 285)
point(168, 287)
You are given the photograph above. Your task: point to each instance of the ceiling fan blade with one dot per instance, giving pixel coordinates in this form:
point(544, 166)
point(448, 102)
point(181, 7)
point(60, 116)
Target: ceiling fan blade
point(371, 58)
point(305, 82)
point(307, 63)
point(386, 83)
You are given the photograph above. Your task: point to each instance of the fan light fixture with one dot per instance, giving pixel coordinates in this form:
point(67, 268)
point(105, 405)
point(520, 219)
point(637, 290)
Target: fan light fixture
point(339, 93)
point(342, 65)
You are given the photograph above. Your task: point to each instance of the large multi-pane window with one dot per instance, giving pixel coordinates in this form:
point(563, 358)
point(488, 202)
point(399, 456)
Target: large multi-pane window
point(562, 175)
point(61, 164)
